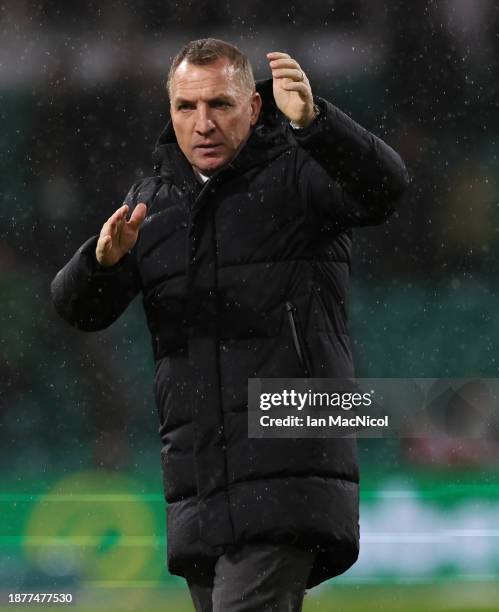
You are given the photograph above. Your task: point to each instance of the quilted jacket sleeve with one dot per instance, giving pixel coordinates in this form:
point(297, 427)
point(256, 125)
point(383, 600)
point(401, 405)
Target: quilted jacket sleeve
point(90, 296)
point(368, 176)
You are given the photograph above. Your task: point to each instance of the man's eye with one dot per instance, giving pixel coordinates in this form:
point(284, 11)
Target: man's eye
point(221, 105)
point(184, 107)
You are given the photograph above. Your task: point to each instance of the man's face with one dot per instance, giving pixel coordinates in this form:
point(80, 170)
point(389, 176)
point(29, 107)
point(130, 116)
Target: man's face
point(212, 113)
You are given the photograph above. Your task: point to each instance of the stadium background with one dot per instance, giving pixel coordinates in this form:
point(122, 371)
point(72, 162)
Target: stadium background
point(82, 100)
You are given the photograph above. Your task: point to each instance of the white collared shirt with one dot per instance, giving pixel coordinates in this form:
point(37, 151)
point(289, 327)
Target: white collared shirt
point(202, 178)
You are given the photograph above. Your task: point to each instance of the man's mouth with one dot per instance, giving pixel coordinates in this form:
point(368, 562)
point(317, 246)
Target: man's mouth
point(208, 148)
point(208, 145)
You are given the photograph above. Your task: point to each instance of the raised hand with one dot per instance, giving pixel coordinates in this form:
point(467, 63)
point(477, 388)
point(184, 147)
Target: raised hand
point(118, 235)
point(292, 91)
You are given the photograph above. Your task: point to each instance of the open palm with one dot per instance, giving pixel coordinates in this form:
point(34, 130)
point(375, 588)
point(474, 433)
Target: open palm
point(118, 235)
point(291, 88)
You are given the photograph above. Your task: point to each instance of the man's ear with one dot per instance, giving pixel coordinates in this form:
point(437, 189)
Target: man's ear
point(256, 105)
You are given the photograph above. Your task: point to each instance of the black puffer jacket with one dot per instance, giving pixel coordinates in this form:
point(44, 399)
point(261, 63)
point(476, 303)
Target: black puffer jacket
point(228, 273)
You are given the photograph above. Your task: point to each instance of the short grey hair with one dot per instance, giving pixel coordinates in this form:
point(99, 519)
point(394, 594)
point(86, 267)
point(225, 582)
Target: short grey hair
point(207, 50)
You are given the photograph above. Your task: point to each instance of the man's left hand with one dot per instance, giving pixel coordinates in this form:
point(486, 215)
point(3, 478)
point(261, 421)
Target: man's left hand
point(292, 91)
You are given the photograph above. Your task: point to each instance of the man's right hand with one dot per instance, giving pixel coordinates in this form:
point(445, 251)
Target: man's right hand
point(118, 235)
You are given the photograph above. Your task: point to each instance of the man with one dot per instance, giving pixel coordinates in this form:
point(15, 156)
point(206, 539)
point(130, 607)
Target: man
point(240, 245)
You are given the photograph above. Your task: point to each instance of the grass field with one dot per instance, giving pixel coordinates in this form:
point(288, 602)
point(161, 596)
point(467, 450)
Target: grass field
point(460, 597)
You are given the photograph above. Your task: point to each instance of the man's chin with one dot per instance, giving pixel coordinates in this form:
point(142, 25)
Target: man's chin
point(209, 161)
point(208, 168)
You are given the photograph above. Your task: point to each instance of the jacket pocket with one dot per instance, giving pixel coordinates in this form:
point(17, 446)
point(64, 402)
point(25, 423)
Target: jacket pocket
point(298, 339)
point(157, 391)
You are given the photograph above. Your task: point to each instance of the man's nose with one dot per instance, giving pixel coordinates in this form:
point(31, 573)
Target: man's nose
point(204, 124)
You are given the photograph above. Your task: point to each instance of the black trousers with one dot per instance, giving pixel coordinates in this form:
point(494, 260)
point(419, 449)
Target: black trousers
point(252, 578)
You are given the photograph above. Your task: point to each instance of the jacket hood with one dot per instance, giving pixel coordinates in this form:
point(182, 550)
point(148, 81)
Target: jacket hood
point(268, 137)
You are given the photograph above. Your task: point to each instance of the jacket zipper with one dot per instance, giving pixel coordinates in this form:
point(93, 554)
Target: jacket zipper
point(295, 332)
